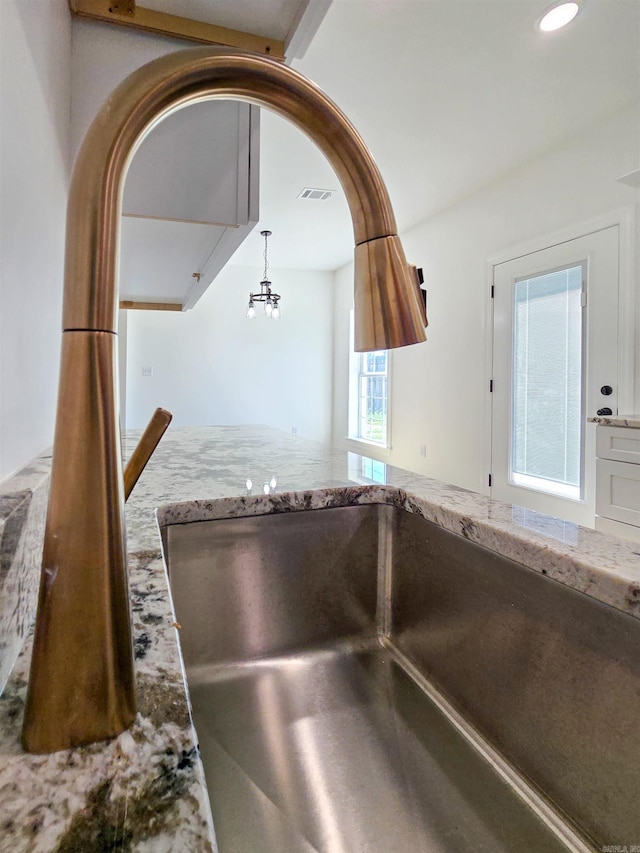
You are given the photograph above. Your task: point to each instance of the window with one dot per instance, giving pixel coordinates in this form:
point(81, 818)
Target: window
point(547, 383)
point(368, 392)
point(372, 396)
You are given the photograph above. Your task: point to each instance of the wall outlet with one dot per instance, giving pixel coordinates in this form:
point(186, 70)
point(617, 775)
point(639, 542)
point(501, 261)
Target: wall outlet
point(294, 430)
point(147, 370)
point(423, 450)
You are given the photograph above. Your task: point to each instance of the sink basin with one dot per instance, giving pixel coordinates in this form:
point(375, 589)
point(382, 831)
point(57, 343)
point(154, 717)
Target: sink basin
point(365, 681)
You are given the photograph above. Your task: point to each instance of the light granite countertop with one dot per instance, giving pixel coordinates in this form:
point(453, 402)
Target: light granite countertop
point(145, 791)
point(632, 421)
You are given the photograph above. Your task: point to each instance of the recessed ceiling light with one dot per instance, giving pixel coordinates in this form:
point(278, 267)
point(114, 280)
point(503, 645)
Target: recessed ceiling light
point(558, 16)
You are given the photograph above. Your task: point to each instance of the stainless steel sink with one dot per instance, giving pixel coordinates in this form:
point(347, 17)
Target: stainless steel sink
point(366, 682)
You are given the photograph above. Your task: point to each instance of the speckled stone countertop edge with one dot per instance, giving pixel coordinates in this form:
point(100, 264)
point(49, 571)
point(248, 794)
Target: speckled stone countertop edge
point(23, 499)
point(582, 568)
point(631, 421)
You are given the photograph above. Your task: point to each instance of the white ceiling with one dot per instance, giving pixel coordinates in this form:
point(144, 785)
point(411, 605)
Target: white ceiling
point(292, 21)
point(271, 18)
point(450, 95)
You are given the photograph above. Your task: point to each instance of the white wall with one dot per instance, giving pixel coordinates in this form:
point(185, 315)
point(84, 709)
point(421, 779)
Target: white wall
point(102, 56)
point(35, 50)
point(439, 389)
point(213, 366)
point(38, 139)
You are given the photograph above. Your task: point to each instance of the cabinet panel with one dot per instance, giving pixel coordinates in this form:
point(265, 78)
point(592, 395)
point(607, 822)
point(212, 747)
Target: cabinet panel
point(618, 491)
point(188, 214)
point(158, 258)
point(618, 528)
point(618, 443)
point(187, 169)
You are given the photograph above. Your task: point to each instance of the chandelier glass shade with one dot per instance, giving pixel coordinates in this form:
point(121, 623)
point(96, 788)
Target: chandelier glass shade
point(269, 299)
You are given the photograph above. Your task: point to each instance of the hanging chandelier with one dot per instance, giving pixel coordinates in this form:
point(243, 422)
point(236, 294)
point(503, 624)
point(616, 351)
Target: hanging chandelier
point(271, 300)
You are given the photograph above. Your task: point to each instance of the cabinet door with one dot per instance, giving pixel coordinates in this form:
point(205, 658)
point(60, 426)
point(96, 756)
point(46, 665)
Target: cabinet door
point(193, 167)
point(618, 443)
point(190, 199)
point(618, 494)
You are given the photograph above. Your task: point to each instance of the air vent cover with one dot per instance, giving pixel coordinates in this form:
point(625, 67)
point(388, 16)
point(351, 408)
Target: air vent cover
point(315, 194)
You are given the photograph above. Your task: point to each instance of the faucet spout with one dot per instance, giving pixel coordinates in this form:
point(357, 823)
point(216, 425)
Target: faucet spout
point(81, 686)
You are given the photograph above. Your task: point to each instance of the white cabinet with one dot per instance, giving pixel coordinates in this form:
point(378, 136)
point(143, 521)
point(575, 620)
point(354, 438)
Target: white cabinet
point(190, 199)
point(618, 481)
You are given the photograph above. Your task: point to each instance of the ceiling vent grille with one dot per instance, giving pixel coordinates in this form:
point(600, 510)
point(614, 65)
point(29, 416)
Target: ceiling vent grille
point(315, 194)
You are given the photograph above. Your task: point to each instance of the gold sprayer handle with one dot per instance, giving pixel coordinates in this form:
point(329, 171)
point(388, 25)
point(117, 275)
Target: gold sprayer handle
point(150, 439)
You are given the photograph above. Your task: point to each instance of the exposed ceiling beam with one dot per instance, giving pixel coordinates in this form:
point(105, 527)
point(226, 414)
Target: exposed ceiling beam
point(130, 304)
point(126, 13)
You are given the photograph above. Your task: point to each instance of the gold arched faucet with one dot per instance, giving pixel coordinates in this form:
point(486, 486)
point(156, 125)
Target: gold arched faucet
point(81, 686)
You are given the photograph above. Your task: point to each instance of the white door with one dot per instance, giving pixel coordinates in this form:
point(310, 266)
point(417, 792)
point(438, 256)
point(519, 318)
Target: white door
point(555, 344)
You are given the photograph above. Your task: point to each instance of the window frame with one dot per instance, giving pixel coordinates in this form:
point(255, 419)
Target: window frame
point(356, 360)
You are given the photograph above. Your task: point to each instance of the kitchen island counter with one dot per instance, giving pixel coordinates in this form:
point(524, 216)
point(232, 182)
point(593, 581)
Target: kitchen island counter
point(145, 790)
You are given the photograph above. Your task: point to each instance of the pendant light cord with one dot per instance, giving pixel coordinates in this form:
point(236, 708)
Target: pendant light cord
point(266, 262)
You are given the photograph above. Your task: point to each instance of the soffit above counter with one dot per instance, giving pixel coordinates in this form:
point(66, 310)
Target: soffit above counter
point(191, 197)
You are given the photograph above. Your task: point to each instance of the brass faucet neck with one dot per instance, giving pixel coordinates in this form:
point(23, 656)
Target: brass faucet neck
point(144, 99)
point(81, 687)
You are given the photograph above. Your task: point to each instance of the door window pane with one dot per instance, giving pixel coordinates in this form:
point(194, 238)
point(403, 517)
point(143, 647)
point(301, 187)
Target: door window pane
point(546, 450)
